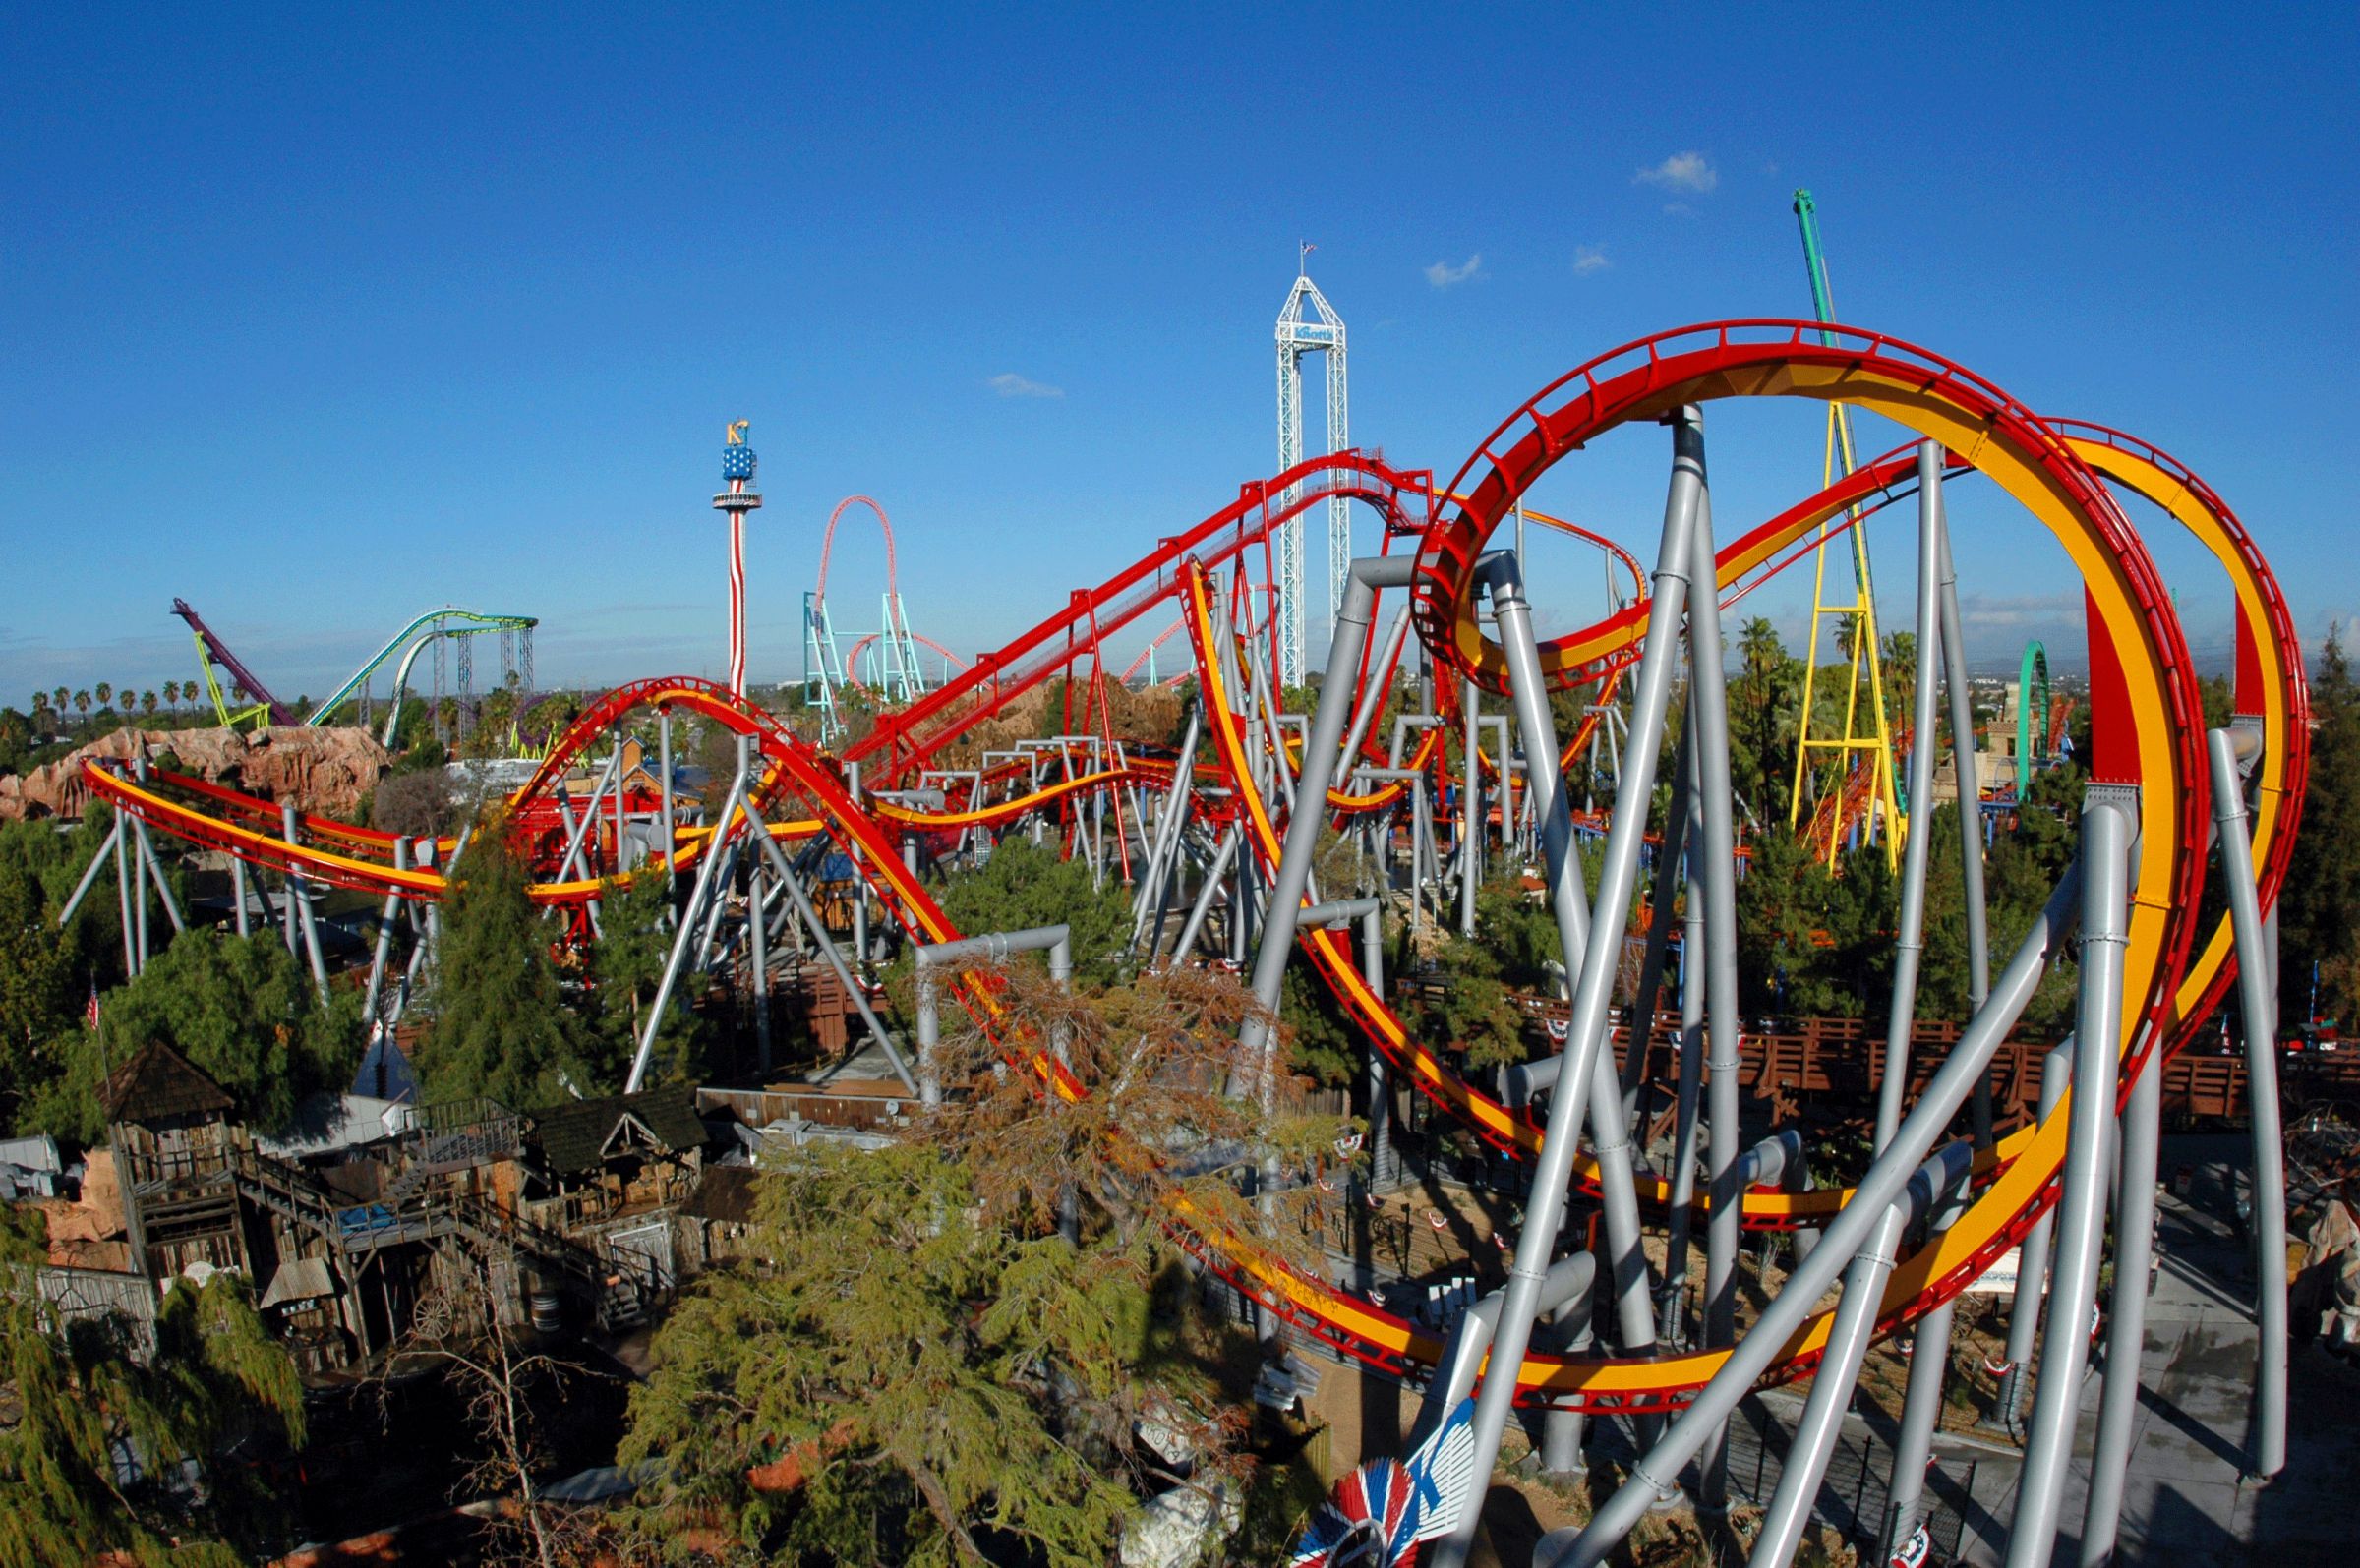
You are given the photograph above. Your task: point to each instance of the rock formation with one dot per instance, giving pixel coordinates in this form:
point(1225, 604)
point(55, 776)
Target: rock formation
point(325, 770)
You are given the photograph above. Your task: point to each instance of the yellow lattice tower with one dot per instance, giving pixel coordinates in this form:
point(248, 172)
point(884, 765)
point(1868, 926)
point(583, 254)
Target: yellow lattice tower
point(1867, 740)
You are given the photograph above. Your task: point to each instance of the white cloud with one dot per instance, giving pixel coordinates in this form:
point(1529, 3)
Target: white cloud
point(1681, 171)
point(1443, 276)
point(1010, 385)
point(1588, 258)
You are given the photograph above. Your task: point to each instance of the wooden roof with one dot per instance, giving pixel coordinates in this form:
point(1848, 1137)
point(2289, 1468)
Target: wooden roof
point(159, 1085)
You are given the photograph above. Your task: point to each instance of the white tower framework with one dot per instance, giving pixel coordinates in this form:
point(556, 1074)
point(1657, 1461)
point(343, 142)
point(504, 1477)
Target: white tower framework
point(1307, 325)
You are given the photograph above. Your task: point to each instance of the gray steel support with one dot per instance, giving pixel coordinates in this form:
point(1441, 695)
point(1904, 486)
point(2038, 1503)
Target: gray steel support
point(2031, 1261)
point(1470, 790)
point(1593, 960)
point(757, 922)
point(852, 850)
point(1691, 1093)
point(1839, 1374)
point(89, 873)
point(1147, 895)
point(1571, 1334)
point(2256, 985)
point(1886, 1179)
point(1708, 697)
point(1257, 1048)
point(1214, 874)
point(1661, 903)
point(801, 896)
point(994, 948)
point(2081, 1198)
point(1371, 695)
point(140, 875)
point(1380, 1094)
point(299, 901)
point(621, 839)
point(1970, 810)
point(570, 864)
point(686, 934)
point(1569, 1281)
point(1910, 945)
point(154, 864)
point(664, 783)
point(2126, 1327)
point(1921, 1404)
point(385, 934)
point(237, 891)
point(429, 854)
point(131, 939)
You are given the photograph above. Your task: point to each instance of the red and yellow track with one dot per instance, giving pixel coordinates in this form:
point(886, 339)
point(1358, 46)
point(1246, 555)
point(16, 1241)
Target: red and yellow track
point(2147, 717)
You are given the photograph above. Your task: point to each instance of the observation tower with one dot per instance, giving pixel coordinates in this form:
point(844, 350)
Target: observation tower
point(737, 473)
point(1319, 331)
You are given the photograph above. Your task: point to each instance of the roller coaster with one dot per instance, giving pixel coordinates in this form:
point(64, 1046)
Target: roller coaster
point(442, 630)
point(1426, 629)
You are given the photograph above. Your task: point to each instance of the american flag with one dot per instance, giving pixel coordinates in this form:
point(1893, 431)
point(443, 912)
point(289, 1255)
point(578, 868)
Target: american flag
point(89, 1013)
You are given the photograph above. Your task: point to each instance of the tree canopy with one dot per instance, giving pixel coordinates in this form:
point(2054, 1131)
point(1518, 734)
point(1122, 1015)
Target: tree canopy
point(989, 1392)
point(98, 1448)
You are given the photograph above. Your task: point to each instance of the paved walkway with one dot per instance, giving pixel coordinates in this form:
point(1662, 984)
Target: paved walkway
point(2186, 1500)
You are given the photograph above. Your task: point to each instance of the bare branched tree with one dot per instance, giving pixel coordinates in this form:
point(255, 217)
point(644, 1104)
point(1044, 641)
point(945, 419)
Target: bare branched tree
point(507, 1387)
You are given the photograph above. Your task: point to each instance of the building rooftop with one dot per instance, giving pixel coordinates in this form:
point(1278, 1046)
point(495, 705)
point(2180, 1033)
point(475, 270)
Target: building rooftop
point(577, 1138)
point(159, 1085)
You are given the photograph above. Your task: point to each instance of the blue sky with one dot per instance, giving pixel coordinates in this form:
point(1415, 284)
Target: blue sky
point(318, 316)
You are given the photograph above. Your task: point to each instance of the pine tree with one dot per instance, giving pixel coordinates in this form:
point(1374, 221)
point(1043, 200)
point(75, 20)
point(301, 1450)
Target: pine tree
point(78, 1406)
point(500, 1029)
point(911, 1345)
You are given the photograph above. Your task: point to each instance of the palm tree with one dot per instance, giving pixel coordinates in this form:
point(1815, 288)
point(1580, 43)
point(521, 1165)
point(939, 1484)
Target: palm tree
point(173, 695)
point(57, 699)
point(106, 696)
point(82, 701)
point(147, 702)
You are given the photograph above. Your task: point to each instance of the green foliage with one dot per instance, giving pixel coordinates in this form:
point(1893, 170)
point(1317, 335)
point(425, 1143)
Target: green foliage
point(990, 1386)
point(500, 1029)
point(1473, 1008)
point(1025, 885)
point(76, 1401)
point(243, 1012)
point(626, 967)
point(2319, 910)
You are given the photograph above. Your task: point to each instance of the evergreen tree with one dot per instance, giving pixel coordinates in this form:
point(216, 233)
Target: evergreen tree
point(500, 1029)
point(97, 1450)
point(243, 1012)
point(2319, 910)
point(625, 965)
point(983, 1397)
